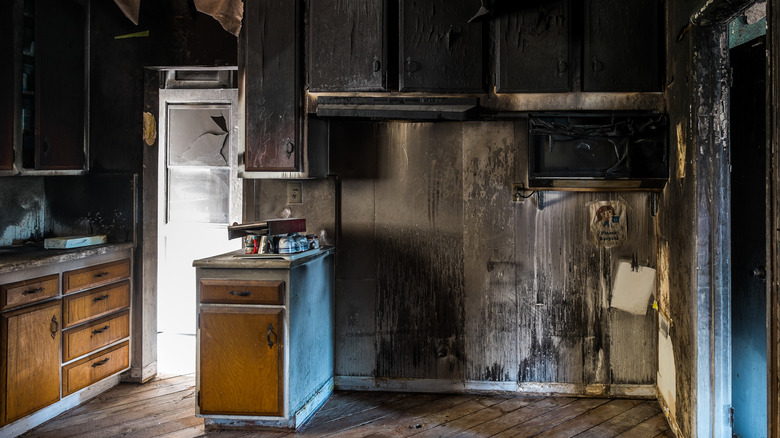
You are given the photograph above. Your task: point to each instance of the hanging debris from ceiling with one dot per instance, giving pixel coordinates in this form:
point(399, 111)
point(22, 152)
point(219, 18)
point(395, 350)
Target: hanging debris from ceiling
point(227, 12)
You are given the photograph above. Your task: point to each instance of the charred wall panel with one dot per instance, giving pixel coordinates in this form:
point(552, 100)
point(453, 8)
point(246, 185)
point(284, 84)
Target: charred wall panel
point(23, 215)
point(490, 166)
point(419, 235)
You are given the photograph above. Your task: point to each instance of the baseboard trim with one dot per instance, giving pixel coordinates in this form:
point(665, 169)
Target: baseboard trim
point(358, 383)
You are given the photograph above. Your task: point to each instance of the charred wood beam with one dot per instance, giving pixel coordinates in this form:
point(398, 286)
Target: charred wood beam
point(719, 11)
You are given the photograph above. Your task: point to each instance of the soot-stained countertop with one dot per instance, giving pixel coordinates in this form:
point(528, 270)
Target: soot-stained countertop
point(237, 260)
point(14, 259)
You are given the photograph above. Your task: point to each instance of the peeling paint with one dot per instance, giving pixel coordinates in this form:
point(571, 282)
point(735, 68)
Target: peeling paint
point(681, 151)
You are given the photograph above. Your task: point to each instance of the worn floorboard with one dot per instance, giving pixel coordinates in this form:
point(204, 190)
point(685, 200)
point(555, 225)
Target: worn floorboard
point(165, 407)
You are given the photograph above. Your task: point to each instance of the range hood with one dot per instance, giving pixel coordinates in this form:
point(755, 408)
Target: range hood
point(397, 107)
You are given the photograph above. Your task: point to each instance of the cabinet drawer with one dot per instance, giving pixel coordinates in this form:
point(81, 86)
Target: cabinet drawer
point(97, 275)
point(28, 291)
point(95, 335)
point(94, 368)
point(95, 303)
point(222, 291)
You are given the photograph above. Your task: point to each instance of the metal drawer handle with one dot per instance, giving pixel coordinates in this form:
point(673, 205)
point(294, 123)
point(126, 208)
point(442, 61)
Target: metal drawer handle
point(101, 274)
point(100, 330)
point(32, 291)
point(245, 293)
point(271, 332)
point(54, 326)
point(99, 363)
point(96, 299)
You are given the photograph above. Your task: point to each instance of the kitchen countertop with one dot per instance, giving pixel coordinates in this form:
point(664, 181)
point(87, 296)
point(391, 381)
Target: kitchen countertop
point(237, 260)
point(26, 258)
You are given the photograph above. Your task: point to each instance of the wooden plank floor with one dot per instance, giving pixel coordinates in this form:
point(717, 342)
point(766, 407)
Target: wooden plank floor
point(165, 407)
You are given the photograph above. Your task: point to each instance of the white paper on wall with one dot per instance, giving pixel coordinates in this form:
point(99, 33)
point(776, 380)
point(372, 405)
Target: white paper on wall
point(608, 223)
point(632, 288)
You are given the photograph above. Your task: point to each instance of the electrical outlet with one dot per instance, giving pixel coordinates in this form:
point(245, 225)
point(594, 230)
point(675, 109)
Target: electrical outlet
point(520, 193)
point(294, 193)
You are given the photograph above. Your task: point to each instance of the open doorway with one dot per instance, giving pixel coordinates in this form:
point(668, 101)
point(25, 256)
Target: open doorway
point(749, 317)
point(199, 194)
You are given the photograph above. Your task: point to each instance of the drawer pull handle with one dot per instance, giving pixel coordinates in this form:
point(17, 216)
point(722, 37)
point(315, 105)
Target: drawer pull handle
point(32, 291)
point(104, 297)
point(245, 293)
point(100, 330)
point(101, 274)
point(271, 332)
point(54, 326)
point(101, 362)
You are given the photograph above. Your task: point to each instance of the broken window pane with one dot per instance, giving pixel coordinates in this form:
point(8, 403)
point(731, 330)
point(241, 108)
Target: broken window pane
point(198, 135)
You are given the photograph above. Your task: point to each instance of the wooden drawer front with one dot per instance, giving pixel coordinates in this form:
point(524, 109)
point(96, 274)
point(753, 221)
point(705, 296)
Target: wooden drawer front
point(95, 303)
point(29, 291)
point(225, 291)
point(96, 335)
point(93, 276)
point(94, 368)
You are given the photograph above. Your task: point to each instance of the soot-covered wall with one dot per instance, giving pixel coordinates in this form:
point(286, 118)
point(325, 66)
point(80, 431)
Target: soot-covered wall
point(441, 277)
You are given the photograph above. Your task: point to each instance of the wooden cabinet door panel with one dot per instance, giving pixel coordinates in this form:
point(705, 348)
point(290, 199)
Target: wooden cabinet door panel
point(623, 47)
point(269, 48)
point(92, 336)
point(29, 360)
point(97, 275)
point(60, 84)
point(347, 45)
point(81, 307)
point(534, 52)
point(9, 87)
point(239, 372)
point(439, 51)
point(96, 367)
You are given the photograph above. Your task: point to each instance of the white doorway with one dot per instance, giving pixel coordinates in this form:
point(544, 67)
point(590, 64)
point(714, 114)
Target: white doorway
point(200, 194)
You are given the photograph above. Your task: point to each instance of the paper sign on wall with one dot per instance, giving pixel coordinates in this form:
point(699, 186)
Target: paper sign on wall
point(608, 223)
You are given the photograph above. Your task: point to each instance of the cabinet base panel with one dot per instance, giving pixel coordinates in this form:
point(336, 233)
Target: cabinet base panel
point(355, 383)
point(39, 417)
point(295, 421)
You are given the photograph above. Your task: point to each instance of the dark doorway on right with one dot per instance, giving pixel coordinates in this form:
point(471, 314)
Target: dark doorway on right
point(748, 239)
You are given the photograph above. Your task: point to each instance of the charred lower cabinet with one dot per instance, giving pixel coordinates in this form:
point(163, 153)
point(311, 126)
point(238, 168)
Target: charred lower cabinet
point(270, 85)
point(265, 339)
point(439, 50)
point(60, 84)
point(623, 46)
point(534, 53)
point(347, 45)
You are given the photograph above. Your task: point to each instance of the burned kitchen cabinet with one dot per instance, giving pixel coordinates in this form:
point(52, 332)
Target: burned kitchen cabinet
point(347, 45)
point(7, 90)
point(46, 82)
point(439, 50)
point(268, 60)
point(623, 46)
point(535, 49)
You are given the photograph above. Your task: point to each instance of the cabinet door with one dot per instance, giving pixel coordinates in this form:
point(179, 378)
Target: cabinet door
point(533, 49)
point(623, 45)
point(269, 49)
point(347, 45)
point(30, 360)
point(241, 357)
point(8, 89)
point(439, 50)
point(60, 84)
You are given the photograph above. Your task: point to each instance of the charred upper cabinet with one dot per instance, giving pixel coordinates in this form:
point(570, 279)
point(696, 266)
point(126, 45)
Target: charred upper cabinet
point(269, 51)
point(60, 97)
point(533, 46)
point(439, 50)
point(7, 89)
point(347, 45)
point(623, 45)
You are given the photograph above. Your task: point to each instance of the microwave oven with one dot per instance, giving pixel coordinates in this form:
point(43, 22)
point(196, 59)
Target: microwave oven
point(593, 151)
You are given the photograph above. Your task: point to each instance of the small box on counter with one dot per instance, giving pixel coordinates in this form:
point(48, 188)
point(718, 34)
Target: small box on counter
point(67, 242)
